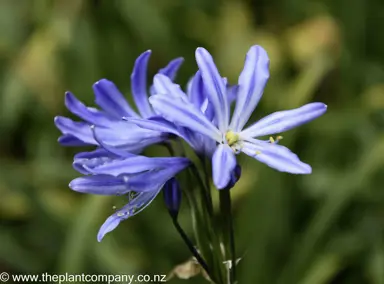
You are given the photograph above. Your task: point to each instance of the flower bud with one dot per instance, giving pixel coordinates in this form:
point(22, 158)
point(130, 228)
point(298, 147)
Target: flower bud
point(172, 196)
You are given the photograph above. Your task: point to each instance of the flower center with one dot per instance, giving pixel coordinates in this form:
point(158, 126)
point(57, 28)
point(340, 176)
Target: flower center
point(232, 137)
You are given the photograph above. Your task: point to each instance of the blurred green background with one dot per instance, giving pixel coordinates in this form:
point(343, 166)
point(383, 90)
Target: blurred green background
point(327, 227)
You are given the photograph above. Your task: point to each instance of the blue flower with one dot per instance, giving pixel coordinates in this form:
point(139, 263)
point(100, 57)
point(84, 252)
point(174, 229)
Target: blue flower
point(229, 134)
point(138, 178)
point(114, 168)
point(110, 127)
point(197, 96)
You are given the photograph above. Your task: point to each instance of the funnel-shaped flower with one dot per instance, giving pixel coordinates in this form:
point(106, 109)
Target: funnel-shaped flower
point(229, 134)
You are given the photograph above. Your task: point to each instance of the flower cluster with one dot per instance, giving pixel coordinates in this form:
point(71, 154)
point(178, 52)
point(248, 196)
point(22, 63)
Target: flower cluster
point(201, 116)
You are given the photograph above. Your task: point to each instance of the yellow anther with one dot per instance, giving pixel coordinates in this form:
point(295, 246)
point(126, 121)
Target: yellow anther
point(258, 152)
point(271, 139)
point(114, 207)
point(120, 214)
point(279, 137)
point(231, 137)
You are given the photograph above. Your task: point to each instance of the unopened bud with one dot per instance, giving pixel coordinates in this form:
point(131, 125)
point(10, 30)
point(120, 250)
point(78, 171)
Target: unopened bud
point(172, 196)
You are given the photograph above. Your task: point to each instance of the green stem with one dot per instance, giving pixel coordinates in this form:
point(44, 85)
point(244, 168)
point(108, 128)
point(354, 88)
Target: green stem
point(205, 192)
point(207, 180)
point(168, 145)
point(208, 214)
point(226, 211)
point(200, 224)
point(202, 218)
point(191, 247)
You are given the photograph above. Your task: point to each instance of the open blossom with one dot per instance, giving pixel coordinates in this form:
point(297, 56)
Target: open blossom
point(108, 121)
point(229, 133)
point(197, 96)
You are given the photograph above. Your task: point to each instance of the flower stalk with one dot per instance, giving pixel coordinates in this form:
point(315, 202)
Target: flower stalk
point(228, 231)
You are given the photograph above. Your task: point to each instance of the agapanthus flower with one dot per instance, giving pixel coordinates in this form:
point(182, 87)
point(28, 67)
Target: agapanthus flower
point(138, 178)
point(114, 168)
point(196, 95)
point(229, 134)
point(108, 121)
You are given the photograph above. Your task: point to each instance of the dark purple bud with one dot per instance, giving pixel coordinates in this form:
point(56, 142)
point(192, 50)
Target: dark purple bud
point(235, 176)
point(172, 196)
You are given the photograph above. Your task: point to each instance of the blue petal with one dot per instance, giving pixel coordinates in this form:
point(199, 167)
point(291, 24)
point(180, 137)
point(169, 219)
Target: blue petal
point(141, 201)
point(94, 154)
point(134, 206)
point(215, 87)
point(139, 84)
point(180, 111)
point(171, 69)
point(109, 225)
point(138, 164)
point(223, 164)
point(165, 86)
point(70, 140)
point(158, 123)
point(184, 114)
point(89, 160)
point(277, 157)
point(232, 93)
point(131, 175)
point(189, 87)
point(150, 181)
point(252, 81)
point(125, 133)
point(207, 109)
point(201, 144)
point(79, 130)
point(100, 184)
point(197, 94)
point(281, 121)
point(88, 114)
point(121, 134)
point(124, 148)
point(111, 100)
